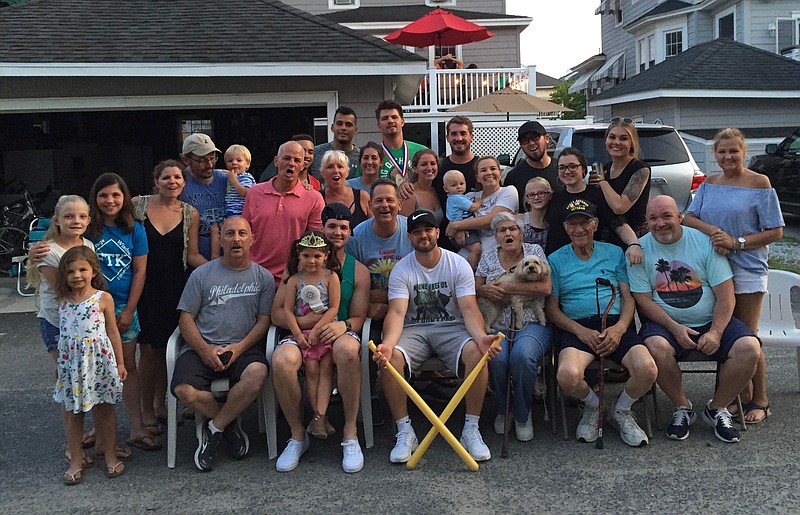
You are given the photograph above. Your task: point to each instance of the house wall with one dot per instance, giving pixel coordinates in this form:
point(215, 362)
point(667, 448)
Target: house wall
point(502, 50)
point(321, 6)
point(764, 13)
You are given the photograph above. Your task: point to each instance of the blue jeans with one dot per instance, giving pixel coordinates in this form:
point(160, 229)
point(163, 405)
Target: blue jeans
point(529, 346)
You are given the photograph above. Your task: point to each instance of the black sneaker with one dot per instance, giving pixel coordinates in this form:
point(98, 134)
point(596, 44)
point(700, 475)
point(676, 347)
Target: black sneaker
point(720, 420)
point(206, 452)
point(238, 443)
point(682, 418)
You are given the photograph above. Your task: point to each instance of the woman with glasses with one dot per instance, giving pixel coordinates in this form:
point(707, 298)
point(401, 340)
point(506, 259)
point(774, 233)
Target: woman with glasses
point(572, 169)
point(626, 181)
point(532, 341)
point(537, 197)
point(739, 210)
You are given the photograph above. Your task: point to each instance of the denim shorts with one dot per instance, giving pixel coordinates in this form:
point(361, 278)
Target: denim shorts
point(49, 334)
point(733, 331)
point(133, 331)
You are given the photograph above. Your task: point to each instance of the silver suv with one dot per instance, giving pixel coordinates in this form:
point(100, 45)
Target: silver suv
point(673, 170)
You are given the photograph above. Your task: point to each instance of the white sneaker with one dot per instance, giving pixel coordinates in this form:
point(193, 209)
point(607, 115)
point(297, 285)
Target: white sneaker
point(290, 456)
point(587, 427)
point(406, 445)
point(499, 424)
point(525, 429)
point(471, 440)
point(352, 458)
point(628, 429)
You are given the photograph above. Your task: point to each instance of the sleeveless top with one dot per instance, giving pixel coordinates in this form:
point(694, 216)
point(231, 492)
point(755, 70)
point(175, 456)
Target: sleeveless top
point(438, 215)
point(302, 306)
point(140, 213)
point(357, 213)
point(348, 286)
point(636, 214)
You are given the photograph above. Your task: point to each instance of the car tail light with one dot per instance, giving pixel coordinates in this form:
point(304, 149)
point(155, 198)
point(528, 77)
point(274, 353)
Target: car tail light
point(698, 179)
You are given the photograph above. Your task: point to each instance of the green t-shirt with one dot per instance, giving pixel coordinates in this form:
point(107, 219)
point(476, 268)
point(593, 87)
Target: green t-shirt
point(389, 171)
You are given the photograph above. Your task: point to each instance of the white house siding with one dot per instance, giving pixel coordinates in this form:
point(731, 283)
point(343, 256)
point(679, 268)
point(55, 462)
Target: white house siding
point(501, 50)
point(762, 14)
point(310, 6)
point(321, 6)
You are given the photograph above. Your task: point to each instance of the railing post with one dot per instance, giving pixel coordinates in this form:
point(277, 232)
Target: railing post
point(532, 80)
point(433, 90)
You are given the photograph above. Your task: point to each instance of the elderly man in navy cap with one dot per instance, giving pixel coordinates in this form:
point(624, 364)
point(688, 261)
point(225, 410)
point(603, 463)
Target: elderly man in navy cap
point(287, 360)
point(433, 311)
point(533, 140)
point(581, 274)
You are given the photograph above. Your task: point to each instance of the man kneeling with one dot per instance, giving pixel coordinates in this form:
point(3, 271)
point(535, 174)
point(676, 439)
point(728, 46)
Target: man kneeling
point(433, 291)
point(224, 317)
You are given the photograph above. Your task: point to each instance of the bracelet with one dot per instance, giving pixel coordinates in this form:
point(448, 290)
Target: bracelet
point(632, 244)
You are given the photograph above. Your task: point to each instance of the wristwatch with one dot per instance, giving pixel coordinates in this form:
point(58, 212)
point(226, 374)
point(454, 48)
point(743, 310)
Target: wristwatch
point(741, 241)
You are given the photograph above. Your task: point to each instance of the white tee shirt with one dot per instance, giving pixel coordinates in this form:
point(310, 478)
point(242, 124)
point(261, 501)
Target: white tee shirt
point(506, 197)
point(432, 292)
point(48, 305)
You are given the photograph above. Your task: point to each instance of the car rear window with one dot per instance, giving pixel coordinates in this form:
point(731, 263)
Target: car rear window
point(659, 146)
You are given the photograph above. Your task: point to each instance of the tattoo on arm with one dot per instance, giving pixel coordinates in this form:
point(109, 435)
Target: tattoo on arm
point(636, 184)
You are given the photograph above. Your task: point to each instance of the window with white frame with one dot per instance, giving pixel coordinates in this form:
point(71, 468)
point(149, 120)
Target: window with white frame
point(787, 32)
point(647, 52)
point(343, 4)
point(673, 43)
point(618, 12)
point(725, 23)
point(651, 43)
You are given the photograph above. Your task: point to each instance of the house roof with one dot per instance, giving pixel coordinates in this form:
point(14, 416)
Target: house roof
point(546, 81)
point(664, 8)
point(182, 31)
point(714, 66)
point(407, 13)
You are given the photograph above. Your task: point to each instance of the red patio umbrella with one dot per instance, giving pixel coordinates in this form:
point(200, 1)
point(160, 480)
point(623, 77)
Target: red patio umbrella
point(439, 27)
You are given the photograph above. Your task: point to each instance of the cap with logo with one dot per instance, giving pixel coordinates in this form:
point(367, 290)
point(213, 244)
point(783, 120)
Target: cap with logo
point(529, 127)
point(337, 211)
point(198, 144)
point(421, 217)
point(579, 207)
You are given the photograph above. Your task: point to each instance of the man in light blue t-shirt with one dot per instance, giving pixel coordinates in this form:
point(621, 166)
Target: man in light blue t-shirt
point(684, 293)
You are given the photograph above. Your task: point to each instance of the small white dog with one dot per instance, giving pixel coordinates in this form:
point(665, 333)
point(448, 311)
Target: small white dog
point(530, 269)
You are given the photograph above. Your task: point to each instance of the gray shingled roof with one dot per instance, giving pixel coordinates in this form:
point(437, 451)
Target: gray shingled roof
point(181, 31)
point(666, 7)
point(721, 64)
point(404, 13)
point(546, 81)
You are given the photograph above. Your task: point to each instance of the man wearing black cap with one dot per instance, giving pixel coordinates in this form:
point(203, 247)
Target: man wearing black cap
point(574, 307)
point(344, 332)
point(433, 311)
point(533, 140)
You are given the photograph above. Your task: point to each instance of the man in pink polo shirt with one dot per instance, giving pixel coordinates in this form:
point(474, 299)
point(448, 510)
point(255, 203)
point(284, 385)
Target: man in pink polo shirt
point(281, 210)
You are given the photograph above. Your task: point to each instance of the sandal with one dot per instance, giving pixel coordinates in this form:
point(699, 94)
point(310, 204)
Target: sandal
point(145, 443)
point(87, 462)
point(73, 478)
point(752, 407)
point(115, 470)
point(123, 454)
point(156, 429)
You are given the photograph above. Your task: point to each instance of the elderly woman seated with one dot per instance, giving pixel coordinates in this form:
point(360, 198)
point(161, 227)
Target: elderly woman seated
point(529, 344)
point(574, 307)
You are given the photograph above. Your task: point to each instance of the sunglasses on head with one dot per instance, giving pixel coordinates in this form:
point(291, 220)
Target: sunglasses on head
point(623, 120)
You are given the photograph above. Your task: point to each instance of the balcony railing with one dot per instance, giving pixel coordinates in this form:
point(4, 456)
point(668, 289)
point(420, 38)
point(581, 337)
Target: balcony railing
point(442, 89)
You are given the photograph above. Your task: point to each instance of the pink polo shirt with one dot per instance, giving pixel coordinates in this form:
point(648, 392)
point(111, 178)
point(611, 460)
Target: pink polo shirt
point(277, 220)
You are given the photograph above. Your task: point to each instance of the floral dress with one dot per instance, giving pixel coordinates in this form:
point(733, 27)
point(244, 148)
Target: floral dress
point(87, 367)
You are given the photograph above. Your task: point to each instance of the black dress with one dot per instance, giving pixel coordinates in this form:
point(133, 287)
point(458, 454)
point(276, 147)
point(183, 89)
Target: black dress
point(163, 285)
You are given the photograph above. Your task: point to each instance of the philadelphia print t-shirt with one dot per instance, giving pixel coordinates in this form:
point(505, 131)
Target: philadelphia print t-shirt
point(432, 293)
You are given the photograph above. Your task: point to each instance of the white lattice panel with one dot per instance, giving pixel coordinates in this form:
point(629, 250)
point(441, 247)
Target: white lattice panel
point(494, 140)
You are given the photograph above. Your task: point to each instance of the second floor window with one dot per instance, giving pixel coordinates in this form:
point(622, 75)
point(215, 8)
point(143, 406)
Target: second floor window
point(673, 43)
point(725, 27)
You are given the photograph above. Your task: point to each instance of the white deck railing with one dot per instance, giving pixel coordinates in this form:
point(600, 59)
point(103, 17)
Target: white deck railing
point(455, 87)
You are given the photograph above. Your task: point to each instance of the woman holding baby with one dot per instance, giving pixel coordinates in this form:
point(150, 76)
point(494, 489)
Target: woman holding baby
point(529, 344)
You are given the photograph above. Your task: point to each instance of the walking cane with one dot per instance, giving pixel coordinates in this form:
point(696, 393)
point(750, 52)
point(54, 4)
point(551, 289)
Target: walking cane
point(512, 333)
point(604, 282)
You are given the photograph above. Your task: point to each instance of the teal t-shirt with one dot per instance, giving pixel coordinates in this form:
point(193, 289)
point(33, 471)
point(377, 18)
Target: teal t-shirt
point(681, 275)
point(574, 279)
point(389, 171)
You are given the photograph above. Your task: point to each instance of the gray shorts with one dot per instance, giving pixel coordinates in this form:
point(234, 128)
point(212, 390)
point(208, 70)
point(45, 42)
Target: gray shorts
point(445, 341)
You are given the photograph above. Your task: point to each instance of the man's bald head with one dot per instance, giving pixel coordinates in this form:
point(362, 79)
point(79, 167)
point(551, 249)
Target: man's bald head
point(664, 219)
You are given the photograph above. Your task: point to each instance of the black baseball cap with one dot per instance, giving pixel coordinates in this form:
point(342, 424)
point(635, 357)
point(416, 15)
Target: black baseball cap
point(579, 207)
point(336, 211)
point(529, 127)
point(421, 217)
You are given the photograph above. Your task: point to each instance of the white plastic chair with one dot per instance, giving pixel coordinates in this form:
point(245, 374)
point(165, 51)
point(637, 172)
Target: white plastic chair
point(270, 405)
point(776, 326)
point(218, 387)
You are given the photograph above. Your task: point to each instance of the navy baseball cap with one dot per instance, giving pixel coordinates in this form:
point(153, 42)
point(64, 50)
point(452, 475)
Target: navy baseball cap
point(579, 207)
point(336, 211)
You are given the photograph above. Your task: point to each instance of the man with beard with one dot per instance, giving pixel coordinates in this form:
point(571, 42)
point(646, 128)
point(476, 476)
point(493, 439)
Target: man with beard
point(433, 311)
point(397, 152)
point(533, 140)
point(344, 128)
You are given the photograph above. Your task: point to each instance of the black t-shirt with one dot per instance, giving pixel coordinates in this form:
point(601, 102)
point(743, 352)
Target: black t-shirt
point(636, 214)
point(471, 180)
point(556, 234)
point(523, 172)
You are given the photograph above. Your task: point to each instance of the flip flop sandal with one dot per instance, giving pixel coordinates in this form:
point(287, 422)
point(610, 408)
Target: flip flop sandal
point(750, 407)
point(73, 478)
point(87, 462)
point(123, 454)
point(88, 440)
point(156, 429)
point(146, 443)
point(115, 470)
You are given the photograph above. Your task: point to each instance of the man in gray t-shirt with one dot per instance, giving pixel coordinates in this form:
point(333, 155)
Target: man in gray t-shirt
point(224, 316)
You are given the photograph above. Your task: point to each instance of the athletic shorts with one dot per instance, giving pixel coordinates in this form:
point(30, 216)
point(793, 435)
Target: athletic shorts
point(628, 341)
point(735, 329)
point(49, 334)
point(445, 341)
point(133, 331)
point(190, 369)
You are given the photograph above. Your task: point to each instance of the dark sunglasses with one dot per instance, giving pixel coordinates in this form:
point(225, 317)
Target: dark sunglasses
point(623, 120)
point(533, 136)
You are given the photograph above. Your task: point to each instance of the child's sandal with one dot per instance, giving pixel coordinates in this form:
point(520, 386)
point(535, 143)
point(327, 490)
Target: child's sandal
point(73, 478)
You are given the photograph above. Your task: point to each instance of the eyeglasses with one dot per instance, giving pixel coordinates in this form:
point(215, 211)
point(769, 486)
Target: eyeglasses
point(623, 120)
point(510, 228)
point(204, 159)
point(524, 140)
point(572, 167)
point(537, 194)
